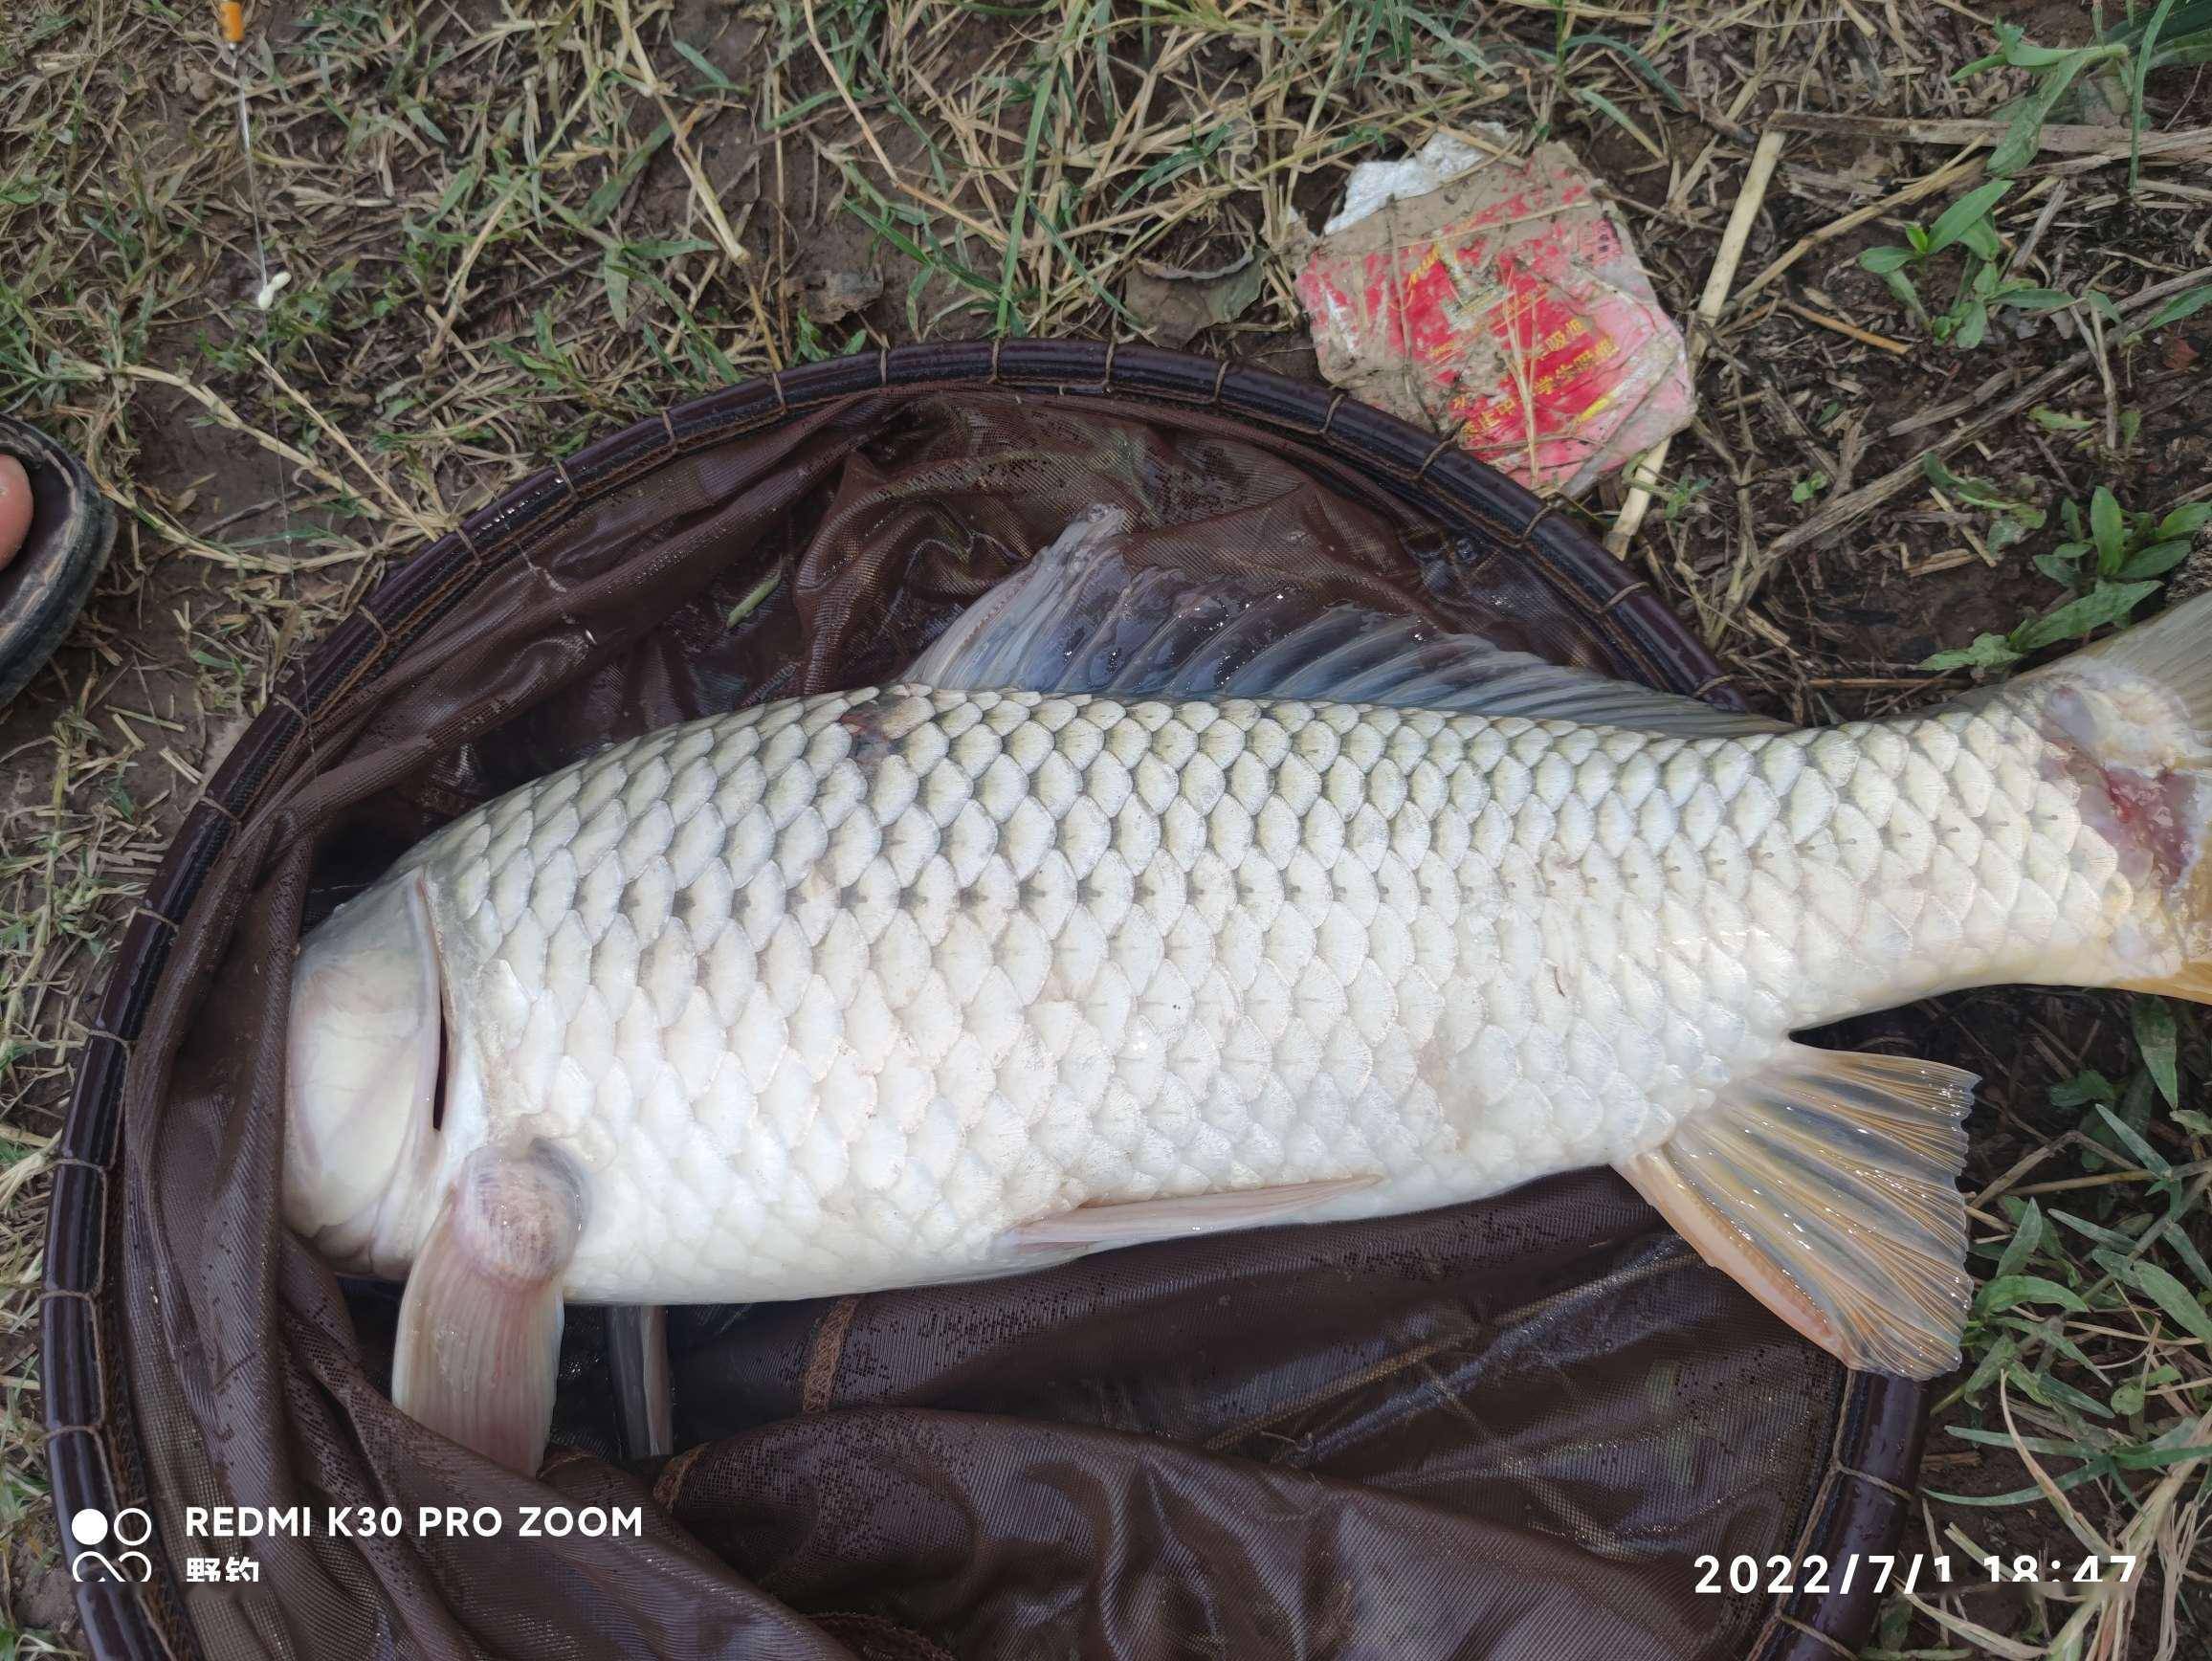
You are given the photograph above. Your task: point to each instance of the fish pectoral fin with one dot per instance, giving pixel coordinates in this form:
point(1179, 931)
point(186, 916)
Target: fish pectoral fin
point(1134, 1221)
point(479, 1324)
point(637, 1358)
point(1826, 1184)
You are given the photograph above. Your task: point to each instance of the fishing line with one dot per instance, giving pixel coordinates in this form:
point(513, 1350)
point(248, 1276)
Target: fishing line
point(265, 296)
point(231, 19)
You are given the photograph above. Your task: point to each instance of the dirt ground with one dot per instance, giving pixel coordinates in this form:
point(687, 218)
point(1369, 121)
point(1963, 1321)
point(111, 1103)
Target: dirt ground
point(484, 236)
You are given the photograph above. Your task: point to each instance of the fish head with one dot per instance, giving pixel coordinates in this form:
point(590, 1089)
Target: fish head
point(364, 1056)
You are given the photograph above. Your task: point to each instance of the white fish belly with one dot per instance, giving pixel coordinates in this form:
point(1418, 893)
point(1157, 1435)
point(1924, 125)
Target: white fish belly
point(829, 995)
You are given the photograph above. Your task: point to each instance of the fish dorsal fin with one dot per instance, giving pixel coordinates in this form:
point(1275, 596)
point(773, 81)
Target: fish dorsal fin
point(1079, 618)
point(1826, 1184)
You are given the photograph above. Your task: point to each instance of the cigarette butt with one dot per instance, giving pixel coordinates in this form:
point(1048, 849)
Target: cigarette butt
point(232, 17)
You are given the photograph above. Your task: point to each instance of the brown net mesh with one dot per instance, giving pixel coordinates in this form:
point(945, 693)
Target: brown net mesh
point(1504, 1429)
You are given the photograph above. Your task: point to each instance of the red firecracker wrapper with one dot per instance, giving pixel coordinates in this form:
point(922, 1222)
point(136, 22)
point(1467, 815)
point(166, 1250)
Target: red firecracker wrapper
point(1496, 299)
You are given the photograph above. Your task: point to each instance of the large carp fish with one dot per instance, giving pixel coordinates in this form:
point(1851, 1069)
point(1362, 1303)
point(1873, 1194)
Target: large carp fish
point(1141, 909)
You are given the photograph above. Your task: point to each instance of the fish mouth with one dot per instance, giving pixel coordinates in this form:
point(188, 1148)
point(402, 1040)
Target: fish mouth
point(445, 1041)
point(366, 1061)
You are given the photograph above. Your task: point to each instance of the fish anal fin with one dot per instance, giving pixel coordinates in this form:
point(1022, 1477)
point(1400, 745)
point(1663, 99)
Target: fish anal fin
point(479, 1323)
point(1134, 1221)
point(1825, 1184)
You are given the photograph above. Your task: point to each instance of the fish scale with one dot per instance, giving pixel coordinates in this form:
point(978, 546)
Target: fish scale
point(833, 994)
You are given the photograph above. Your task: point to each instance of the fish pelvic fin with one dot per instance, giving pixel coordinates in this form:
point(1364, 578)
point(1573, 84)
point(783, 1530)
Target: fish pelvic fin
point(2135, 712)
point(644, 1395)
point(1824, 1184)
point(479, 1323)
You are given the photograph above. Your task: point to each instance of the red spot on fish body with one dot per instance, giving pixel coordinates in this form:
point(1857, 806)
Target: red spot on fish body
point(2151, 814)
point(2150, 811)
point(876, 727)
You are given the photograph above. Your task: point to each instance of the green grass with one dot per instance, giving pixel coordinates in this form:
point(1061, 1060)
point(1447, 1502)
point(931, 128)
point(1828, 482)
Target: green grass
point(2113, 562)
point(2090, 1350)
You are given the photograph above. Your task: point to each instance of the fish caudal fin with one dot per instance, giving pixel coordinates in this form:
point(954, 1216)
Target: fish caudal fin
point(2138, 708)
point(479, 1324)
point(1824, 1184)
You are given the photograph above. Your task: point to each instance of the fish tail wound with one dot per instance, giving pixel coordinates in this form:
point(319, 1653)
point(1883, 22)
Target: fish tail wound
point(2133, 715)
point(1826, 1184)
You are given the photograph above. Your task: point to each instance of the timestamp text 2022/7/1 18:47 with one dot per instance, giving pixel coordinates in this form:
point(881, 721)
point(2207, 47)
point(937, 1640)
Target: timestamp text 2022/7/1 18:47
point(1908, 1571)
